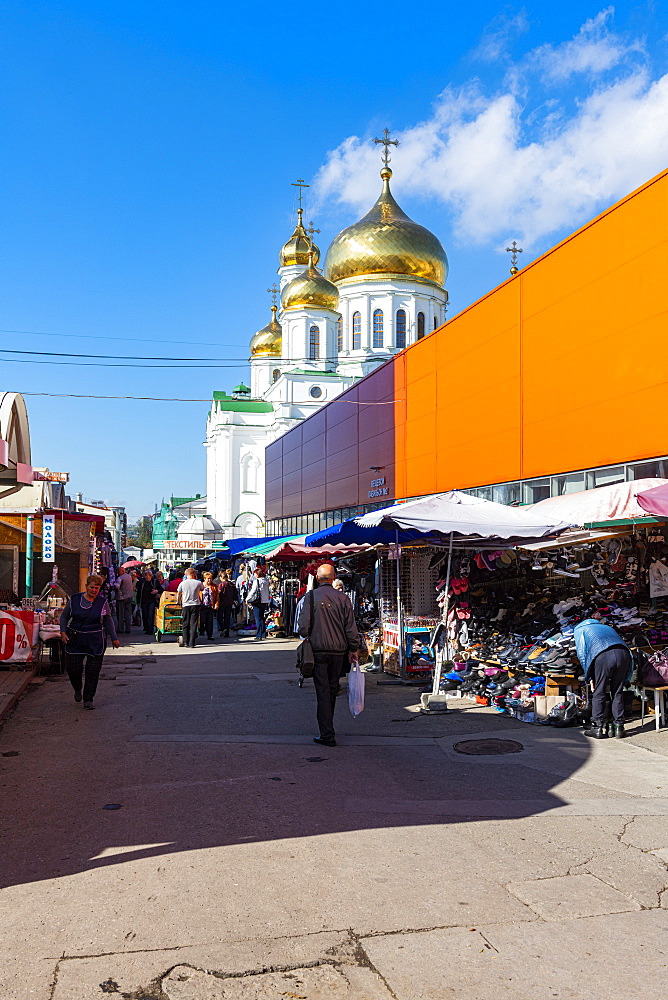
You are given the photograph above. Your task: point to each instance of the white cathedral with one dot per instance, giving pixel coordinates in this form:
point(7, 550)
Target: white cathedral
point(382, 289)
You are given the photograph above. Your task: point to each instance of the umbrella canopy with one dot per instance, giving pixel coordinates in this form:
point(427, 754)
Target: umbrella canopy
point(434, 519)
point(132, 562)
point(607, 503)
point(457, 513)
point(654, 501)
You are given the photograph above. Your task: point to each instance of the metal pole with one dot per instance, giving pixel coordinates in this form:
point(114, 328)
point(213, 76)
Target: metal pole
point(400, 614)
point(29, 551)
point(446, 607)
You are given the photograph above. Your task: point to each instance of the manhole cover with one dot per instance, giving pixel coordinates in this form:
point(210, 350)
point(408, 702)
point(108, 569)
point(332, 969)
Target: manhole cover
point(488, 748)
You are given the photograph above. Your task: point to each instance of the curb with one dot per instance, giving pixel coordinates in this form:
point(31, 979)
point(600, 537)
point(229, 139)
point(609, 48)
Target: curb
point(13, 688)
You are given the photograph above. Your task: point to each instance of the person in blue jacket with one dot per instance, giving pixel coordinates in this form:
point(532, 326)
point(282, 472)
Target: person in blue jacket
point(606, 661)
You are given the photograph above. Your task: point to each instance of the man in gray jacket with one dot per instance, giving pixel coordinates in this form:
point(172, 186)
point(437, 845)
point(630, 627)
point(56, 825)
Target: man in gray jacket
point(335, 642)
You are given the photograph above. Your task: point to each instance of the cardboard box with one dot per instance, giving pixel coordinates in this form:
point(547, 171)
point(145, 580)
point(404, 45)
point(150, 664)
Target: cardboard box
point(545, 703)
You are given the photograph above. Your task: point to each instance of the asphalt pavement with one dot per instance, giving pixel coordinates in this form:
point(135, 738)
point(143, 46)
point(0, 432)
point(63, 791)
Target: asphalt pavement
point(188, 841)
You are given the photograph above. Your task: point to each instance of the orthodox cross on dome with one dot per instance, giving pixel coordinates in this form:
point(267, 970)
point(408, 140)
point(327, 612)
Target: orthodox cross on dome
point(387, 142)
point(514, 250)
point(273, 291)
point(299, 183)
point(310, 230)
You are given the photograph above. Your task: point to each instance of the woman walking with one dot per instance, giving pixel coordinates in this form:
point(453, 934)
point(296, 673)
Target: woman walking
point(148, 594)
point(209, 605)
point(227, 600)
point(258, 599)
point(85, 625)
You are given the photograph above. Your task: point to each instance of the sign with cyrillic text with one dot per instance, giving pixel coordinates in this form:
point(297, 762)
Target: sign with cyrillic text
point(48, 537)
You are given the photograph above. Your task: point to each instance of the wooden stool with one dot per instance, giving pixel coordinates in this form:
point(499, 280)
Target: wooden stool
point(659, 706)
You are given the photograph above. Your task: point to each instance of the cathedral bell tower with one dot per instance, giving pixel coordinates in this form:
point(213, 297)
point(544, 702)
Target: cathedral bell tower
point(309, 312)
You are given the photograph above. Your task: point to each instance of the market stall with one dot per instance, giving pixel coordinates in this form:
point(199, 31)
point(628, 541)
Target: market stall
point(512, 612)
point(435, 522)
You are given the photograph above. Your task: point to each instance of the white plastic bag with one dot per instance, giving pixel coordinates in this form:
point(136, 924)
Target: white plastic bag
point(355, 689)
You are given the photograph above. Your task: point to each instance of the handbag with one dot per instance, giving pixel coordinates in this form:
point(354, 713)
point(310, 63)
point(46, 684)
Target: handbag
point(364, 655)
point(305, 657)
point(653, 670)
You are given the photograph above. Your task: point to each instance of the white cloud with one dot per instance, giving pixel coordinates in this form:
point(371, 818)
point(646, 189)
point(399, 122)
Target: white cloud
point(499, 33)
point(593, 50)
point(505, 171)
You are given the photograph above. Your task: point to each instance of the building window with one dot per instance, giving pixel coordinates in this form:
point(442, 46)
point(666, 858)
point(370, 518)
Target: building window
point(435, 322)
point(315, 391)
point(314, 343)
point(249, 467)
point(535, 490)
point(605, 477)
point(506, 493)
point(357, 331)
point(420, 326)
point(647, 470)
point(378, 328)
point(339, 334)
point(401, 328)
point(573, 483)
point(276, 374)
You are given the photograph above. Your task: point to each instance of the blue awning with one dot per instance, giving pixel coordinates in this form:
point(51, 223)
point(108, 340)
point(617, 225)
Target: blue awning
point(352, 533)
point(233, 546)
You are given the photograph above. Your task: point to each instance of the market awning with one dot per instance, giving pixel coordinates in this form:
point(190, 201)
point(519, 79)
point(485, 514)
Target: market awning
point(433, 519)
point(595, 507)
point(295, 547)
point(233, 546)
point(570, 538)
point(655, 500)
point(456, 513)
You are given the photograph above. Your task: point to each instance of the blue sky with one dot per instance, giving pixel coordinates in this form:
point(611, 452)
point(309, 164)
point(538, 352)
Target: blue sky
point(146, 163)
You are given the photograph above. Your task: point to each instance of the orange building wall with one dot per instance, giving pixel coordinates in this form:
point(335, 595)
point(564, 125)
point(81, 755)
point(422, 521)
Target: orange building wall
point(563, 367)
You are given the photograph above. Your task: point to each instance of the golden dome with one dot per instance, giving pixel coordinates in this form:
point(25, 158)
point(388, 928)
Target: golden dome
point(268, 342)
point(386, 241)
point(297, 248)
point(309, 289)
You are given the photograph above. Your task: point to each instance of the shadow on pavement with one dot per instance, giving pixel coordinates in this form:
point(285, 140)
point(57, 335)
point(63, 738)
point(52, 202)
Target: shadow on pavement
point(152, 748)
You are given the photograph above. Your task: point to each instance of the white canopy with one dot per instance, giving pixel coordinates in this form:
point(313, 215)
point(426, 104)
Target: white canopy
point(461, 514)
point(605, 503)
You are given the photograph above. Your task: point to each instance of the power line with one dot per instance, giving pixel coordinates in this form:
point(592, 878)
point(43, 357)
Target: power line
point(88, 336)
point(175, 367)
point(168, 399)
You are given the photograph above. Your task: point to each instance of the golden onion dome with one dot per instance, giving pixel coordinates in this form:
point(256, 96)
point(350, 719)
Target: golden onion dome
point(386, 241)
point(310, 289)
point(296, 250)
point(268, 342)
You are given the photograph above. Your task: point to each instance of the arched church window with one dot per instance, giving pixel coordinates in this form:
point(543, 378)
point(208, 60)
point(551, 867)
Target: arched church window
point(249, 467)
point(314, 343)
point(276, 374)
point(357, 331)
point(339, 334)
point(401, 328)
point(378, 328)
point(420, 326)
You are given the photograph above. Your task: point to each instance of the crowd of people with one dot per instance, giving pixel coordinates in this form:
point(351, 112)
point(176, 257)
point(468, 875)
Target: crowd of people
point(225, 600)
